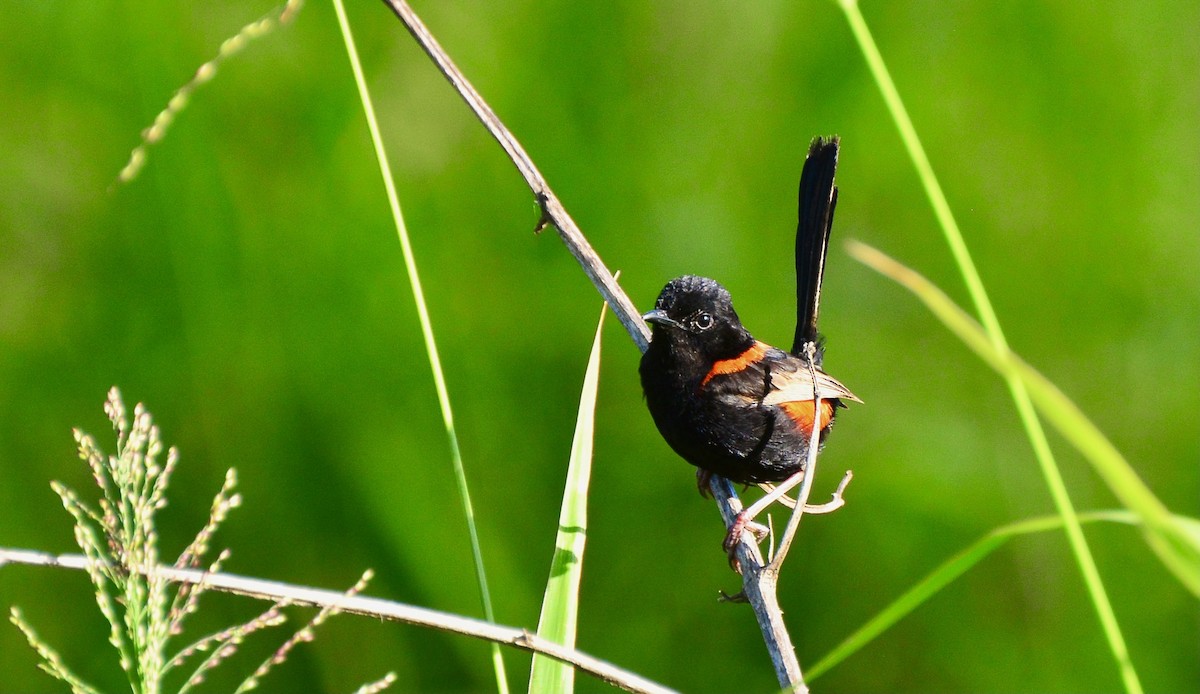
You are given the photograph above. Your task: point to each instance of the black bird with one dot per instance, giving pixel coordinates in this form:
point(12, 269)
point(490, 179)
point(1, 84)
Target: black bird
point(732, 405)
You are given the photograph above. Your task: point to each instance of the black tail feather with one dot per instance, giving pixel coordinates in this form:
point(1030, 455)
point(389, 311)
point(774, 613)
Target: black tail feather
point(818, 197)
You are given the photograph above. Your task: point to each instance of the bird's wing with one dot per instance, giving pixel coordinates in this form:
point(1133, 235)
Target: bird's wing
point(792, 382)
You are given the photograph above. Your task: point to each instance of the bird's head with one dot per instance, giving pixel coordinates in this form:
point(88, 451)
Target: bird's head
point(698, 311)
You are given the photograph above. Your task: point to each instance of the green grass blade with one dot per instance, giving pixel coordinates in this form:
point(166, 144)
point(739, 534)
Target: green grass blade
point(560, 603)
point(991, 324)
point(957, 566)
point(435, 362)
point(1178, 548)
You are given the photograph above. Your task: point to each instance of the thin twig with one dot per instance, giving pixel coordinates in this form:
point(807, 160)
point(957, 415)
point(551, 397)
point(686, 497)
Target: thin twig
point(836, 502)
point(367, 607)
point(758, 585)
point(810, 468)
point(553, 212)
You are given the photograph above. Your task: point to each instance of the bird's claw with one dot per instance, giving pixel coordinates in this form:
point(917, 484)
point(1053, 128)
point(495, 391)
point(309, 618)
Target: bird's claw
point(741, 524)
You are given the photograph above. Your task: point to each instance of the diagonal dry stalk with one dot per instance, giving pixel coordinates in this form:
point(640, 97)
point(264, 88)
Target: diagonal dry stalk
point(377, 608)
point(553, 212)
point(759, 582)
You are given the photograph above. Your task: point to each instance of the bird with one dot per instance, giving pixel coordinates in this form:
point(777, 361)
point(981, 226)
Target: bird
point(730, 404)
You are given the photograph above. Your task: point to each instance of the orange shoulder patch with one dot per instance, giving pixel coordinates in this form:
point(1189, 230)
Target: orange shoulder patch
point(729, 366)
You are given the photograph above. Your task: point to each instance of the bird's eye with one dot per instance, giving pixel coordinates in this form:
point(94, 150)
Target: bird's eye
point(702, 321)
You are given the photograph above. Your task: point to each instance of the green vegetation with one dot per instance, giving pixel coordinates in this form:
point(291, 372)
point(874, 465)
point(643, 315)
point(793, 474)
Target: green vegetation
point(248, 284)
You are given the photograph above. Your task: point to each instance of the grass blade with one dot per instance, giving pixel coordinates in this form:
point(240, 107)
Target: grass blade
point(560, 604)
point(435, 362)
point(1178, 548)
point(957, 566)
point(991, 324)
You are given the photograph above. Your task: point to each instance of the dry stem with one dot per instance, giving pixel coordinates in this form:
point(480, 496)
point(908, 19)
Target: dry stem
point(758, 582)
point(369, 607)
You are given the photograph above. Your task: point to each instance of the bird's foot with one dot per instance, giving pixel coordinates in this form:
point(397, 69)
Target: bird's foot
point(741, 524)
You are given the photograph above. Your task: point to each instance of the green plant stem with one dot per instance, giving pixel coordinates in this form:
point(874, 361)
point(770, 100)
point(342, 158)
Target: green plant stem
point(1029, 418)
point(949, 571)
point(435, 361)
point(1175, 544)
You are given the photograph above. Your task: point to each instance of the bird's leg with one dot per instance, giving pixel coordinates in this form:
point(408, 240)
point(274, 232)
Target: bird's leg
point(743, 519)
point(760, 533)
point(703, 478)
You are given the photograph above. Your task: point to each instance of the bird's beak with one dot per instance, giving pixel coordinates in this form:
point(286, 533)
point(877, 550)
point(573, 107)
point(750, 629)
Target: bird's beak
point(659, 317)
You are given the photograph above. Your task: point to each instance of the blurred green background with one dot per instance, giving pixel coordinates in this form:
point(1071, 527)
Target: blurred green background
point(249, 288)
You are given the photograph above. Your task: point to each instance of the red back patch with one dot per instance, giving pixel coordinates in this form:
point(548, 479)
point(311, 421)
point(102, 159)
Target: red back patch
point(801, 412)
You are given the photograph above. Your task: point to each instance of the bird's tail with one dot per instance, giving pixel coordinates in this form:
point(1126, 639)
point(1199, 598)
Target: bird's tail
point(818, 197)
